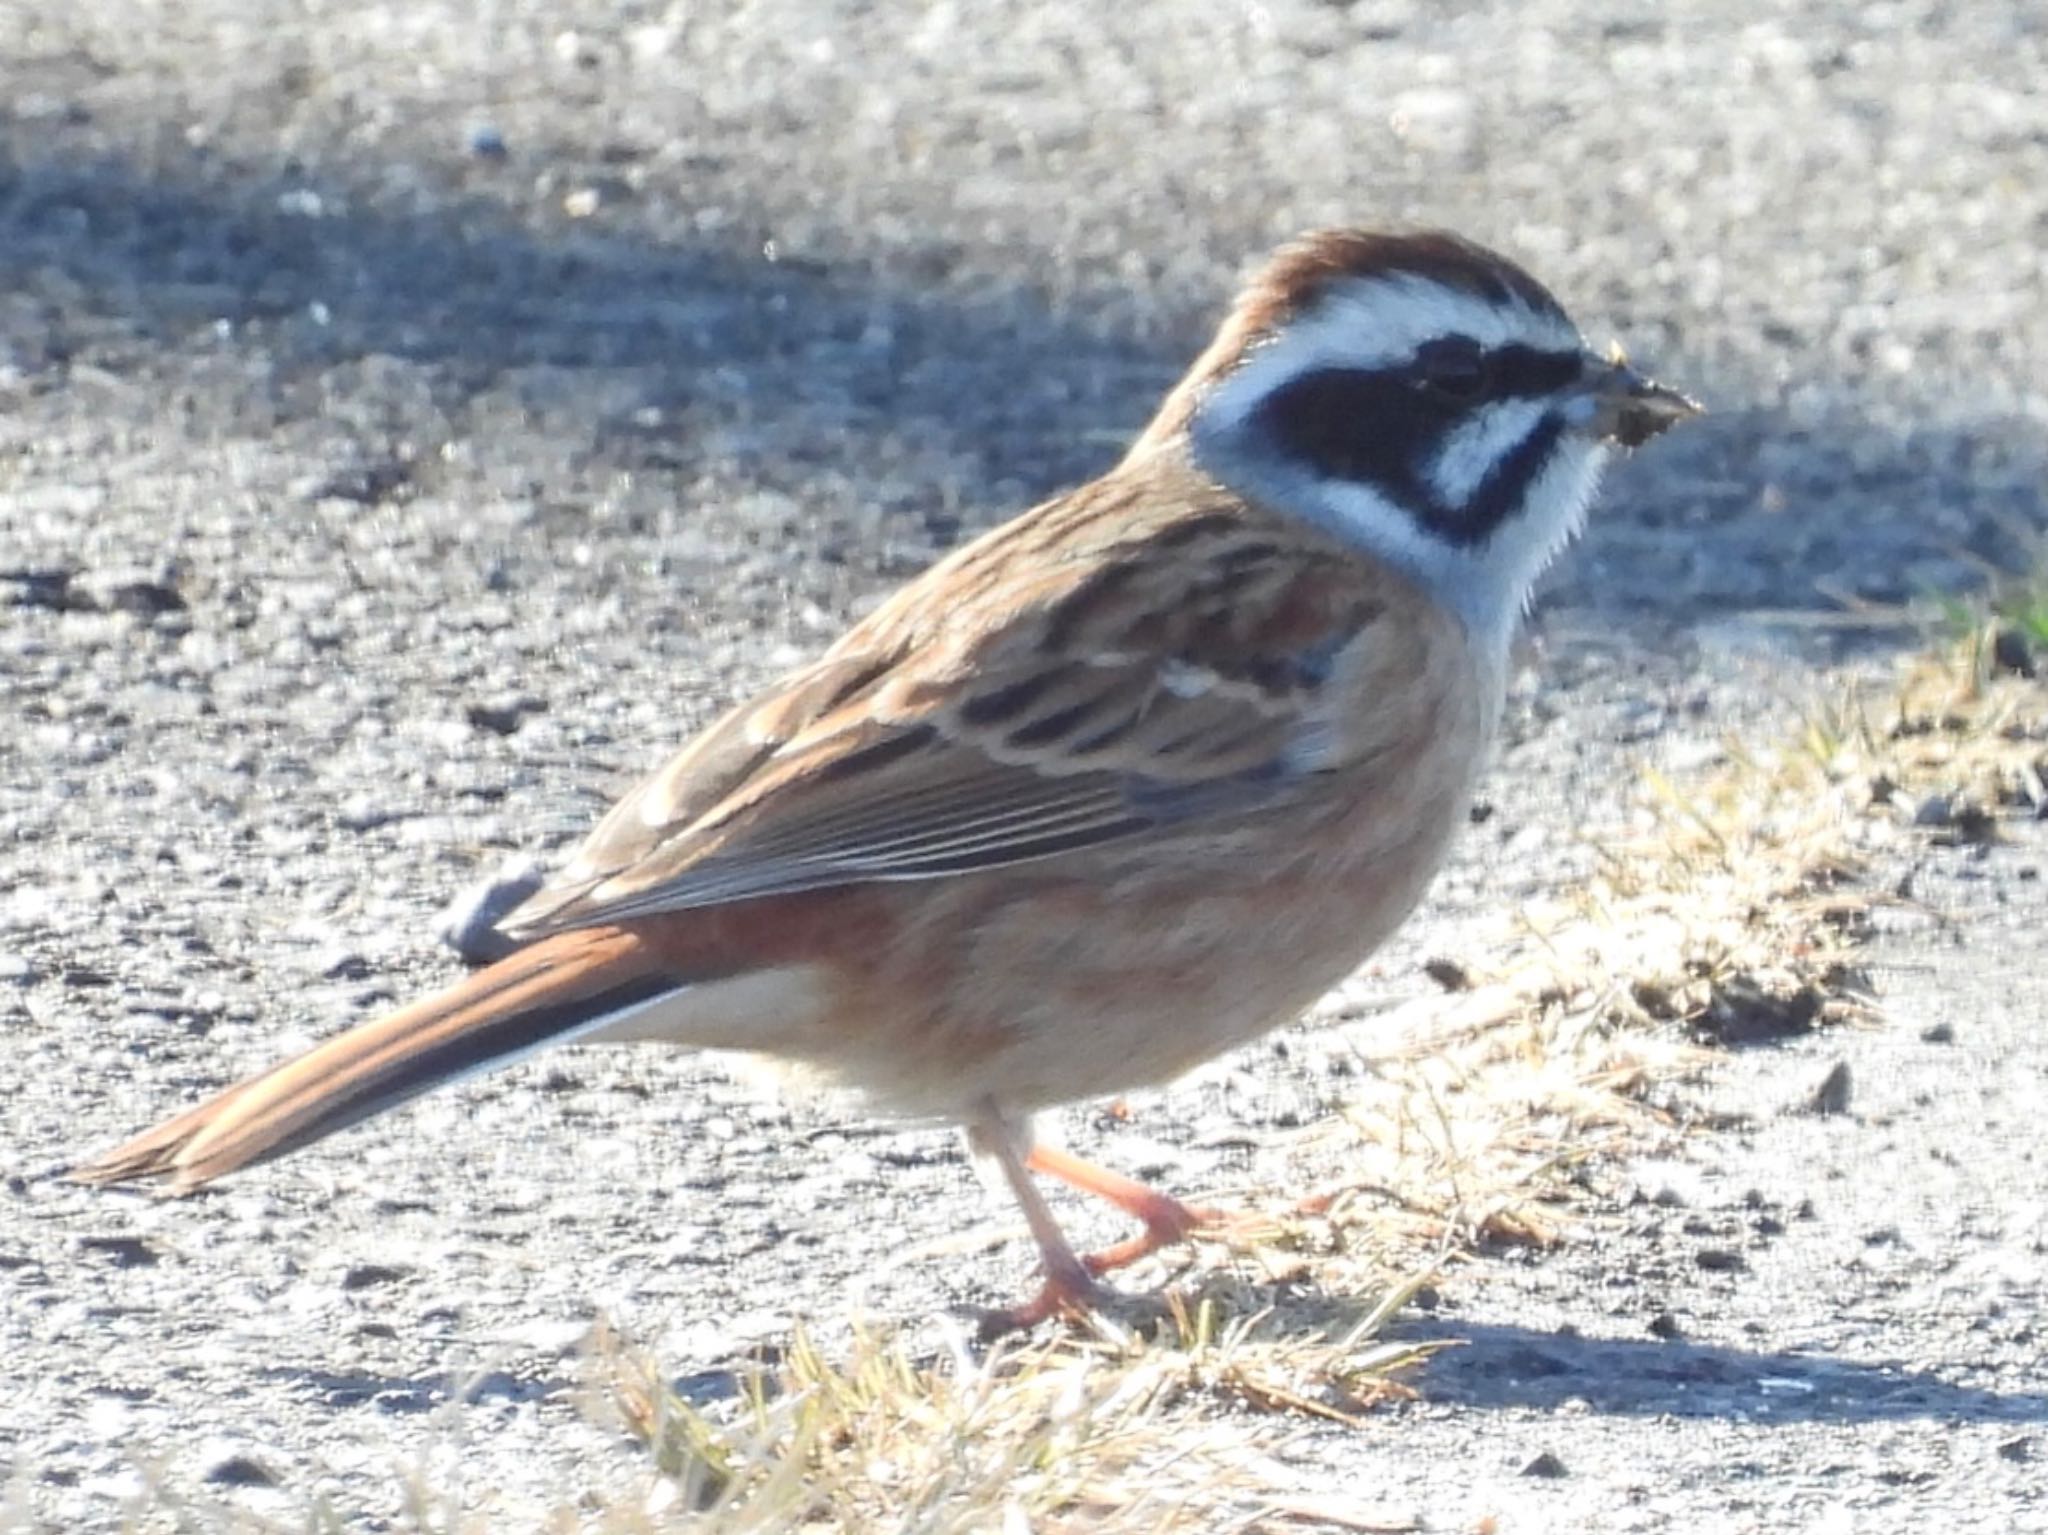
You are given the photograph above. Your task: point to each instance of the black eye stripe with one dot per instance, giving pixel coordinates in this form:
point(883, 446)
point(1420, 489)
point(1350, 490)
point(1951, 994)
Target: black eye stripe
point(1369, 423)
point(1520, 372)
point(1514, 372)
point(1376, 426)
point(1350, 423)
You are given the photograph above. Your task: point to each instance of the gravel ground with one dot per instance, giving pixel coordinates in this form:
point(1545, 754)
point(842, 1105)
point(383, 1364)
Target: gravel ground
point(415, 419)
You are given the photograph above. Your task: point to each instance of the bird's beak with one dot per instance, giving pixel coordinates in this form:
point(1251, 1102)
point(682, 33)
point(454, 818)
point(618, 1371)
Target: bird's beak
point(1622, 406)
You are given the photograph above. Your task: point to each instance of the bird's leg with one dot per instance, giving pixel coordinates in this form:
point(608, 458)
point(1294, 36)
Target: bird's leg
point(1069, 1288)
point(1166, 1219)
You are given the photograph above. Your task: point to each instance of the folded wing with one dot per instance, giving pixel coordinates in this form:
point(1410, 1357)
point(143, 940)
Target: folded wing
point(1170, 673)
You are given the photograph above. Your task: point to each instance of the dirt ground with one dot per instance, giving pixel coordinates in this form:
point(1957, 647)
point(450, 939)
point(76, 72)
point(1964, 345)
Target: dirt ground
point(415, 419)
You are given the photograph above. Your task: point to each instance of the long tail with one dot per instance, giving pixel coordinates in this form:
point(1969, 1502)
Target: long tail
point(572, 986)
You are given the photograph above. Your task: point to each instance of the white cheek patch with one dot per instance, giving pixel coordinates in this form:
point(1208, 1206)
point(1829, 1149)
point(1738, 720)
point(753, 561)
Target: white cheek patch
point(1470, 453)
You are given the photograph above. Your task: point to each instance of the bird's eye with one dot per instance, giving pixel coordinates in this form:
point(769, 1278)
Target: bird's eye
point(1455, 369)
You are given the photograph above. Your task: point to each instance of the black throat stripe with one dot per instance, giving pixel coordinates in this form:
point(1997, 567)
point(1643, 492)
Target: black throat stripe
point(1506, 483)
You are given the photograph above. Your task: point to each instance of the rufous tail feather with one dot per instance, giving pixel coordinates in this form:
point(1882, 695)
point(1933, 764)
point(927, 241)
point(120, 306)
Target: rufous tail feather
point(562, 988)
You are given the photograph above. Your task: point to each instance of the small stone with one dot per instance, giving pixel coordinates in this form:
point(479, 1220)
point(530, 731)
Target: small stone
point(145, 599)
point(1719, 1260)
point(1939, 1034)
point(240, 1470)
point(2010, 651)
point(561, 1337)
point(1935, 810)
point(486, 142)
point(364, 484)
point(2019, 1449)
point(1545, 1465)
point(128, 1252)
point(343, 965)
point(1666, 1326)
point(51, 587)
point(366, 1276)
point(1832, 1095)
point(503, 716)
point(1448, 973)
point(1154, 1160)
point(16, 969)
point(364, 812)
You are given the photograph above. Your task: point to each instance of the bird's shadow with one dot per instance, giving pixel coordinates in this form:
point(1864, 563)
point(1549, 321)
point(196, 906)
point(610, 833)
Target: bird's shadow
point(1495, 1366)
point(1480, 1366)
point(402, 1395)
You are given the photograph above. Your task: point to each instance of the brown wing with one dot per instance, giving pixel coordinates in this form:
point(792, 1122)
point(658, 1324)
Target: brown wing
point(1086, 674)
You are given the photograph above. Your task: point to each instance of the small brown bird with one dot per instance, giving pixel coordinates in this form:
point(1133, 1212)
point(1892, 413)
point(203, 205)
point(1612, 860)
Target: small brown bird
point(1125, 782)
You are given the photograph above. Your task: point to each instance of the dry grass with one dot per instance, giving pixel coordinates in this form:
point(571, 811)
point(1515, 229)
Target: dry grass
point(1102, 1428)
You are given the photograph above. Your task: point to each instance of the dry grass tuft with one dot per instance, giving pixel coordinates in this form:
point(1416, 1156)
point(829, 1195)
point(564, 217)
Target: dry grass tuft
point(1105, 1428)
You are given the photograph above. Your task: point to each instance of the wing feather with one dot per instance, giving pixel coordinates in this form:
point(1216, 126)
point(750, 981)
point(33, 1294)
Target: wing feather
point(1049, 689)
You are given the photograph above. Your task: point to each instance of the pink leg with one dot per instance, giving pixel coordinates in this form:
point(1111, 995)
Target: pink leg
point(1165, 1218)
point(1069, 1288)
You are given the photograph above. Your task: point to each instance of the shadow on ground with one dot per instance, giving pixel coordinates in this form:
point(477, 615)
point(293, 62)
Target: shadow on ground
point(1518, 1367)
point(405, 1395)
point(1491, 1367)
point(115, 271)
point(787, 371)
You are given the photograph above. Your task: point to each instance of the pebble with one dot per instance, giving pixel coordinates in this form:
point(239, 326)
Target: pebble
point(1934, 810)
point(2010, 652)
point(502, 716)
point(1833, 1094)
point(367, 1276)
point(126, 1251)
point(560, 1337)
point(238, 1468)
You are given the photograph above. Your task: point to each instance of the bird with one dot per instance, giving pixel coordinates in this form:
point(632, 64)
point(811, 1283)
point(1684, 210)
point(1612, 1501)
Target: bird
point(1123, 783)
